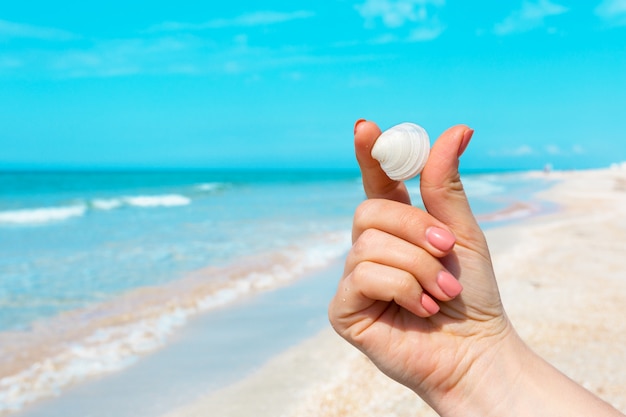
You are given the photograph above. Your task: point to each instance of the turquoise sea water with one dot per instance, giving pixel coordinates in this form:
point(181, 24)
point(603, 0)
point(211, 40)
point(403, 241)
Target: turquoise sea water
point(71, 239)
point(97, 269)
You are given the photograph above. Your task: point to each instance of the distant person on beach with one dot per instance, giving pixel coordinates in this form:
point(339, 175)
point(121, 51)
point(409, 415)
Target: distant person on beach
point(419, 297)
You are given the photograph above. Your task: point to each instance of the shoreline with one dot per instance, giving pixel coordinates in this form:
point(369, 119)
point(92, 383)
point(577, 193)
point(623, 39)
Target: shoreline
point(103, 339)
point(562, 277)
point(210, 351)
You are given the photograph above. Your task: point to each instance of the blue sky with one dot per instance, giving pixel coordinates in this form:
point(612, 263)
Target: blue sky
point(279, 84)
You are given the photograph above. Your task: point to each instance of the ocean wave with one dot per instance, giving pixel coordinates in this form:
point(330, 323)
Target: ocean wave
point(211, 186)
point(164, 200)
point(104, 351)
point(139, 322)
point(106, 203)
point(482, 187)
point(43, 215)
point(159, 200)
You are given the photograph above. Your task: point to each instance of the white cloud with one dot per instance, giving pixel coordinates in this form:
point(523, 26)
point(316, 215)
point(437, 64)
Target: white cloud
point(120, 57)
point(522, 150)
point(418, 15)
point(23, 30)
point(532, 15)
point(259, 18)
point(553, 150)
point(613, 11)
point(557, 150)
point(180, 53)
point(394, 14)
point(425, 34)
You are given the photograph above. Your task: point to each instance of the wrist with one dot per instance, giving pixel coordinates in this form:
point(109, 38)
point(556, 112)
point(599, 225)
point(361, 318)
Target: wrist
point(492, 380)
point(509, 379)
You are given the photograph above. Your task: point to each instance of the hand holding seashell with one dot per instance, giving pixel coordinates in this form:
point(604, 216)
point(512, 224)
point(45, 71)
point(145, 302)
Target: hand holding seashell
point(402, 151)
point(419, 295)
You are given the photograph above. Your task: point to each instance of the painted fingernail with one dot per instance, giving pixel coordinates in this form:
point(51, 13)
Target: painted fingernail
point(448, 284)
point(358, 122)
point(440, 238)
point(429, 304)
point(467, 136)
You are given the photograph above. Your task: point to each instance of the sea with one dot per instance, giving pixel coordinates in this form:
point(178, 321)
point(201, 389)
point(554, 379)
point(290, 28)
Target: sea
point(101, 270)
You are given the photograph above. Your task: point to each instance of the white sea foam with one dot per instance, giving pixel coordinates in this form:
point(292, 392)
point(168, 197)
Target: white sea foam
point(105, 351)
point(141, 201)
point(43, 215)
point(164, 200)
point(109, 349)
point(481, 187)
point(300, 261)
point(106, 203)
point(210, 186)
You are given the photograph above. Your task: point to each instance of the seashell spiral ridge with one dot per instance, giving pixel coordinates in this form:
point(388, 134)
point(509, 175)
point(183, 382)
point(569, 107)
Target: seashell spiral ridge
point(402, 151)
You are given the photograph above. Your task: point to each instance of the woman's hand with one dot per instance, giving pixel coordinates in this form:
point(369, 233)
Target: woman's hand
point(418, 295)
point(400, 303)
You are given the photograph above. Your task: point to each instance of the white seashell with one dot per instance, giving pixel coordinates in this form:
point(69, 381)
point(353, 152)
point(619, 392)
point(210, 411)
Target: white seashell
point(402, 151)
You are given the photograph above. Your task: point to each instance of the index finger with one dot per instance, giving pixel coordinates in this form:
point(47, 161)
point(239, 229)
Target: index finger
point(375, 182)
point(405, 222)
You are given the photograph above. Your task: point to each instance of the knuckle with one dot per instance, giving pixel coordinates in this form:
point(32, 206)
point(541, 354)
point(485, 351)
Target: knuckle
point(363, 213)
point(410, 220)
point(364, 244)
point(405, 284)
point(417, 260)
point(359, 273)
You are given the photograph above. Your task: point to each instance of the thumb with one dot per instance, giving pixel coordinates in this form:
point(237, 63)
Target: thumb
point(441, 187)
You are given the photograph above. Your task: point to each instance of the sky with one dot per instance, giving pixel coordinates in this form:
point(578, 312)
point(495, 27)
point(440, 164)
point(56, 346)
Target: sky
point(275, 84)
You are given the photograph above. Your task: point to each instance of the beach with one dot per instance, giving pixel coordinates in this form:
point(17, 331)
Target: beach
point(178, 186)
point(208, 293)
point(562, 276)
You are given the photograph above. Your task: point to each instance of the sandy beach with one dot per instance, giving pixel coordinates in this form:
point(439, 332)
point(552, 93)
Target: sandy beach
point(563, 282)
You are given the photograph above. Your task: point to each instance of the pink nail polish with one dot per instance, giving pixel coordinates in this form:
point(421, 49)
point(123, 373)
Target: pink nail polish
point(358, 122)
point(467, 136)
point(429, 304)
point(440, 238)
point(448, 284)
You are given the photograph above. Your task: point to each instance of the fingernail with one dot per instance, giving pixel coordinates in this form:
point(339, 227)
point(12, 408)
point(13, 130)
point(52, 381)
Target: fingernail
point(358, 122)
point(467, 136)
point(440, 238)
point(448, 284)
point(429, 304)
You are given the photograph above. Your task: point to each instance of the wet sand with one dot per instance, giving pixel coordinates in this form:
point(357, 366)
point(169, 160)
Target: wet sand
point(563, 282)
